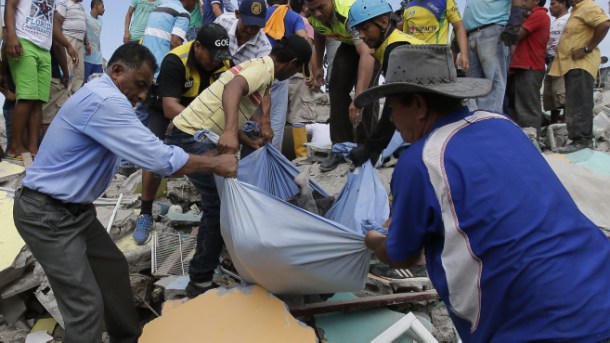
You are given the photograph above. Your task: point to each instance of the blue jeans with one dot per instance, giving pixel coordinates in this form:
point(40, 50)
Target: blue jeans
point(92, 69)
point(489, 59)
point(207, 252)
point(279, 108)
point(191, 34)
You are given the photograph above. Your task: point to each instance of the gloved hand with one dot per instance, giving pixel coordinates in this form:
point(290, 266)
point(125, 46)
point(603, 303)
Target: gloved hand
point(510, 35)
point(360, 154)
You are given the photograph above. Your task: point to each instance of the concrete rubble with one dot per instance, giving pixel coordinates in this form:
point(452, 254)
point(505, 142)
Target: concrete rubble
point(29, 313)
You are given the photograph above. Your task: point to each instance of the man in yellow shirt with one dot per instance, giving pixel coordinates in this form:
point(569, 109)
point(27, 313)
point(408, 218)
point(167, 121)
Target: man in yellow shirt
point(353, 67)
point(429, 21)
point(223, 107)
point(577, 60)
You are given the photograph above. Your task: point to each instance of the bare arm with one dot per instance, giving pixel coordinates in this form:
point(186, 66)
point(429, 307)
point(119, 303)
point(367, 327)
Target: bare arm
point(266, 131)
point(60, 56)
point(366, 64)
point(377, 243)
point(523, 33)
point(58, 35)
point(313, 66)
point(462, 39)
point(175, 42)
point(216, 9)
point(171, 107)
point(126, 36)
point(319, 42)
point(223, 165)
point(598, 35)
point(231, 98)
point(13, 47)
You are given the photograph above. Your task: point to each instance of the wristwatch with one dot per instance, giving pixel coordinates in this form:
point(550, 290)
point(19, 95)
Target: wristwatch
point(587, 50)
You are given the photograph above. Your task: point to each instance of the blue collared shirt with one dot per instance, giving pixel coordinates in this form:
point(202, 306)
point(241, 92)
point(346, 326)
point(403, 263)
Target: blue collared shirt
point(97, 125)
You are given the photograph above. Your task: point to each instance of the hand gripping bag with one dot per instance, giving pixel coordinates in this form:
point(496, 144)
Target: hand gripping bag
point(363, 200)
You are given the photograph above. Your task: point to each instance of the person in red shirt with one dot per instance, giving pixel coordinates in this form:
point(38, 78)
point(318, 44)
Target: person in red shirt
point(527, 66)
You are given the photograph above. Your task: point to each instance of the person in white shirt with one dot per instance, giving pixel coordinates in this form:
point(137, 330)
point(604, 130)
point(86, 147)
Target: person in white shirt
point(554, 91)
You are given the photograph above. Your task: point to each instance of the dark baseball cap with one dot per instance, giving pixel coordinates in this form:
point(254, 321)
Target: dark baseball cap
point(215, 38)
point(298, 47)
point(253, 13)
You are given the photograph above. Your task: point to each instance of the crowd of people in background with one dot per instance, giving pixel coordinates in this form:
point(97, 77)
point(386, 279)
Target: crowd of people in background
point(206, 65)
point(511, 43)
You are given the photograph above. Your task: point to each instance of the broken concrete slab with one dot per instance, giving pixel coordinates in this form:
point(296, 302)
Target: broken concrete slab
point(46, 297)
point(360, 326)
point(589, 188)
point(121, 219)
point(138, 256)
point(12, 335)
point(415, 284)
point(173, 286)
point(10, 170)
point(141, 286)
point(38, 337)
point(32, 278)
point(12, 309)
point(183, 218)
point(240, 314)
point(14, 256)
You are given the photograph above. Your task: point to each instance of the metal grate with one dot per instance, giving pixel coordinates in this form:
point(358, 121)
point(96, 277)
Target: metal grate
point(171, 253)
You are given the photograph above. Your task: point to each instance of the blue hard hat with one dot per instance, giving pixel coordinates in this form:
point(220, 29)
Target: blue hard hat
point(364, 10)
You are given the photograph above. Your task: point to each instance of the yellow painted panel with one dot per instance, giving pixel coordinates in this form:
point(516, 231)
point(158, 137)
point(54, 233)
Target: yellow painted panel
point(47, 324)
point(241, 314)
point(10, 241)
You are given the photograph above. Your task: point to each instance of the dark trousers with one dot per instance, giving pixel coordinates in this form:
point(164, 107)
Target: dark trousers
point(87, 272)
point(525, 99)
point(579, 105)
point(343, 78)
point(209, 239)
point(382, 135)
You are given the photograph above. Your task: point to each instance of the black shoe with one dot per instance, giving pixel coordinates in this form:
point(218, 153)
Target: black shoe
point(573, 147)
point(330, 163)
point(193, 290)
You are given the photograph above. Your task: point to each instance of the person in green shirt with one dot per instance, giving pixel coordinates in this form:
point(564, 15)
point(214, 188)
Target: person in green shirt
point(196, 22)
point(140, 10)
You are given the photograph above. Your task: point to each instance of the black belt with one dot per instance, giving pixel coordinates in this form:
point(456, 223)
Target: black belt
point(478, 28)
point(73, 208)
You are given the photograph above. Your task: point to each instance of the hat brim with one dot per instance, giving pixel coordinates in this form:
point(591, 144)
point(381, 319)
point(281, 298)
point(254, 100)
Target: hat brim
point(220, 54)
point(465, 87)
point(249, 20)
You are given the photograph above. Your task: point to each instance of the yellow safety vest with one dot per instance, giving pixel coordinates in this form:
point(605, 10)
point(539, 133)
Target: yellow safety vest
point(395, 36)
point(339, 29)
point(191, 74)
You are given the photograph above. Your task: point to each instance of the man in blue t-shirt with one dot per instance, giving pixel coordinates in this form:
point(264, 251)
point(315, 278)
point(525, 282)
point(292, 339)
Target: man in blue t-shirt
point(281, 21)
point(212, 9)
point(167, 27)
point(507, 249)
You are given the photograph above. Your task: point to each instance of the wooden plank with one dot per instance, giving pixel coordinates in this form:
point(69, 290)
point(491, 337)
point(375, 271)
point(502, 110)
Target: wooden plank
point(362, 303)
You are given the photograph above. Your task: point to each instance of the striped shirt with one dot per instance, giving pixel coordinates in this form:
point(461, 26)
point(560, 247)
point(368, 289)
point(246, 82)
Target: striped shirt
point(258, 46)
point(170, 18)
point(206, 111)
point(75, 21)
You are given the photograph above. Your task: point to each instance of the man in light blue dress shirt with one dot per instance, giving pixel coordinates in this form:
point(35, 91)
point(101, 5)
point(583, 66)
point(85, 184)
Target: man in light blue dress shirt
point(53, 210)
